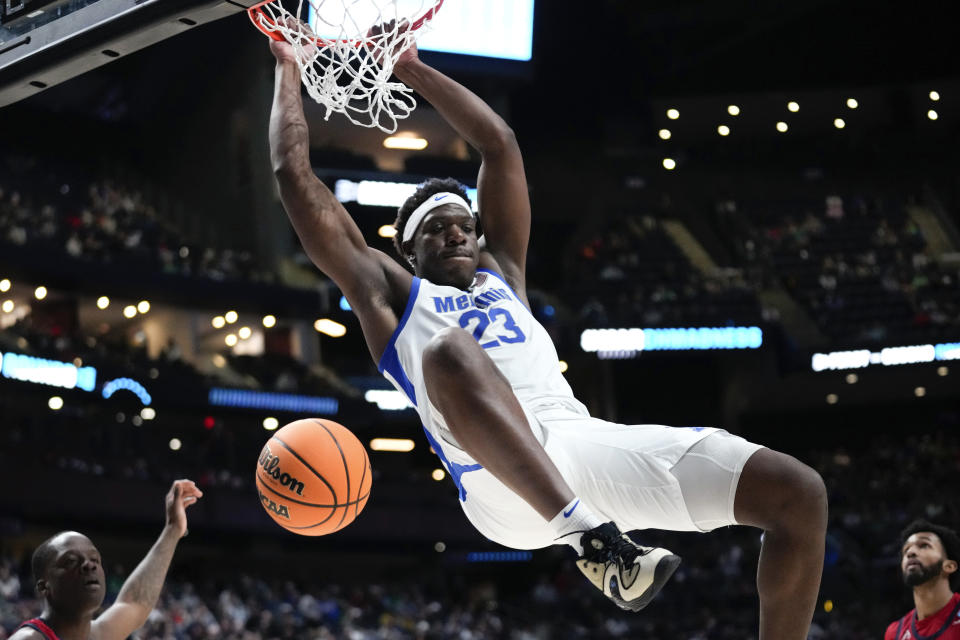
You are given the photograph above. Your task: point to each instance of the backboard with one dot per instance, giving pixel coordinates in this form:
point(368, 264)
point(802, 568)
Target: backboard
point(45, 42)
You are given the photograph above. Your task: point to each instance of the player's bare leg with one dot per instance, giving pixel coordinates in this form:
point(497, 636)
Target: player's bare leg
point(788, 500)
point(485, 417)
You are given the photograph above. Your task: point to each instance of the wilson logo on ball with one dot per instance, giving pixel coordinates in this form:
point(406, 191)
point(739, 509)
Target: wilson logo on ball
point(271, 466)
point(313, 477)
point(279, 509)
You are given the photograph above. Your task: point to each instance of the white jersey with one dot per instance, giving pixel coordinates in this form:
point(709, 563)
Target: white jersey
point(518, 345)
point(623, 472)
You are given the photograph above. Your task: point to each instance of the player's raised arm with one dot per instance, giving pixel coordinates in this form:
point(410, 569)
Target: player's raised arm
point(370, 280)
point(140, 592)
point(502, 184)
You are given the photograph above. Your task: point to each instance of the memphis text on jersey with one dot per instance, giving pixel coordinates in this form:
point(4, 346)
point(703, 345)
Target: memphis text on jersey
point(449, 303)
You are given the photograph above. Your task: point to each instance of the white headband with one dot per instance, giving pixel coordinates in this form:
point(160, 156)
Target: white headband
point(436, 200)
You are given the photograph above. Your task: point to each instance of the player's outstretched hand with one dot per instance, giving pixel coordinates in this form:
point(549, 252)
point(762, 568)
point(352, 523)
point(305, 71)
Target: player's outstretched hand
point(182, 494)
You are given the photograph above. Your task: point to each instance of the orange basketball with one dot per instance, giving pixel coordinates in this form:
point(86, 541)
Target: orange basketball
point(313, 477)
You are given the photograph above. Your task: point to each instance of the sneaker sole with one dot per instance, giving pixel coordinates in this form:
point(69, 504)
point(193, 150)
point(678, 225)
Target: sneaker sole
point(663, 572)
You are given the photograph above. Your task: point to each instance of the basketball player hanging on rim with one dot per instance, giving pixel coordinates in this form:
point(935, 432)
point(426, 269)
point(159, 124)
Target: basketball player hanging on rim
point(532, 467)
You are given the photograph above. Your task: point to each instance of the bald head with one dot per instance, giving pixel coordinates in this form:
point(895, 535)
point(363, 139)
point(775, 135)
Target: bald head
point(69, 574)
point(46, 553)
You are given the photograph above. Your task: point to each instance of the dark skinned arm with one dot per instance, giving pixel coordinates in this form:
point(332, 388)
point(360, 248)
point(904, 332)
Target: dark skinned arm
point(140, 592)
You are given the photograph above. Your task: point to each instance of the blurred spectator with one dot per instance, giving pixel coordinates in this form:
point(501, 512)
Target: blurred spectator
point(547, 599)
point(9, 582)
point(862, 270)
point(113, 223)
point(631, 273)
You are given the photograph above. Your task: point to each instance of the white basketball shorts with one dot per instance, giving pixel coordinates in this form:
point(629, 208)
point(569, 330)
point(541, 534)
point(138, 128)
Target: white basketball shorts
point(639, 476)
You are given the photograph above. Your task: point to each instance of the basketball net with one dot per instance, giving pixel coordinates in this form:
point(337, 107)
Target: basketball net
point(348, 51)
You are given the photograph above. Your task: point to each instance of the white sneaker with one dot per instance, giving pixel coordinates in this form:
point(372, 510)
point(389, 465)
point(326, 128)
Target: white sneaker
point(627, 573)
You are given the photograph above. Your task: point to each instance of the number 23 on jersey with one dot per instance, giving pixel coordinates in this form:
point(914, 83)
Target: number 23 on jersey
point(496, 322)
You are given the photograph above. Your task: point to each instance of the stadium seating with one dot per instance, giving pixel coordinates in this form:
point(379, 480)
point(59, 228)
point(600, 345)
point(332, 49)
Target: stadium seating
point(520, 600)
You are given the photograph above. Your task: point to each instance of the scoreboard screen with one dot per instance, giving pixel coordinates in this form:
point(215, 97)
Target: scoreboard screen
point(488, 28)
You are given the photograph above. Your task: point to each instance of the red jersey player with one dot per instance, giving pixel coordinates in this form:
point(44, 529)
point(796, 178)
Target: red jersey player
point(71, 582)
point(928, 562)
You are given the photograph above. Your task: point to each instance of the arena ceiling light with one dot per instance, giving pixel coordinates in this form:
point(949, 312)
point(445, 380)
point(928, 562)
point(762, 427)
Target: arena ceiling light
point(55, 403)
point(669, 164)
point(244, 333)
point(733, 110)
point(782, 127)
point(438, 474)
point(387, 231)
point(7, 306)
point(230, 339)
point(175, 444)
point(887, 357)
point(933, 115)
point(399, 445)
point(103, 302)
point(230, 317)
point(723, 130)
point(563, 366)
point(269, 321)
point(143, 306)
point(664, 134)
point(839, 123)
point(329, 327)
point(40, 292)
point(673, 114)
point(269, 401)
point(499, 556)
point(126, 384)
point(628, 342)
point(381, 193)
point(406, 141)
point(270, 423)
point(387, 399)
point(5, 285)
point(50, 372)
point(793, 106)
point(148, 413)
point(218, 322)
point(129, 311)
point(935, 95)
point(852, 103)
